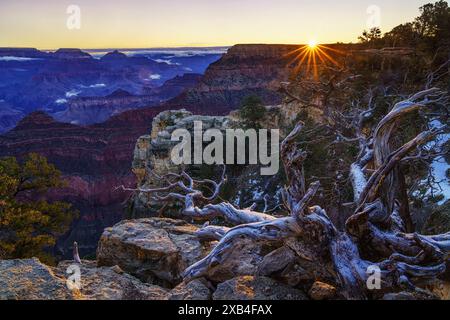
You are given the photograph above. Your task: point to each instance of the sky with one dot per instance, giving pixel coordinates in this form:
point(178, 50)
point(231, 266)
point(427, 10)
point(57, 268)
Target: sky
point(174, 23)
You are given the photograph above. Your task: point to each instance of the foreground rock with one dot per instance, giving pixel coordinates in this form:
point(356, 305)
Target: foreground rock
point(155, 250)
point(194, 290)
point(106, 283)
point(322, 291)
point(30, 280)
point(256, 288)
point(242, 261)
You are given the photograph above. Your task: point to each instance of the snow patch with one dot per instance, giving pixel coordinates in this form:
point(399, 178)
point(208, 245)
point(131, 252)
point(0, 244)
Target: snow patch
point(72, 93)
point(154, 77)
point(167, 61)
point(97, 85)
point(359, 181)
point(61, 101)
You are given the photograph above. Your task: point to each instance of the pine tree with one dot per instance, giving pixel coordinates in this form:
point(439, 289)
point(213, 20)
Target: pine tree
point(29, 224)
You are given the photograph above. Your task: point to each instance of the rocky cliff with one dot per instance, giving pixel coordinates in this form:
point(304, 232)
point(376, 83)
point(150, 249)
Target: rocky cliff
point(8, 117)
point(245, 70)
point(152, 155)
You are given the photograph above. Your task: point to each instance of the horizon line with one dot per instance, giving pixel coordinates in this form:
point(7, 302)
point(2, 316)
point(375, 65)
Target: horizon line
point(167, 47)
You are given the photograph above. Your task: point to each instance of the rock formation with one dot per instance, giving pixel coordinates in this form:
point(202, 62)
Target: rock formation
point(156, 251)
point(245, 70)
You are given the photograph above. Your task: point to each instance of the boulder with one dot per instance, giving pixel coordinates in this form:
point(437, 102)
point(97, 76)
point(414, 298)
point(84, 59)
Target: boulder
point(156, 250)
point(295, 265)
point(194, 290)
point(111, 283)
point(29, 279)
point(256, 288)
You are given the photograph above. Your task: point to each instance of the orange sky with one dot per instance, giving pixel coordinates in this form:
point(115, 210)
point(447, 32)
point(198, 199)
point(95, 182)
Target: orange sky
point(169, 23)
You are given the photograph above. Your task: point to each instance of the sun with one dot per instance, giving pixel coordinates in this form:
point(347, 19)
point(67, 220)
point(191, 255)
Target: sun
point(311, 57)
point(312, 44)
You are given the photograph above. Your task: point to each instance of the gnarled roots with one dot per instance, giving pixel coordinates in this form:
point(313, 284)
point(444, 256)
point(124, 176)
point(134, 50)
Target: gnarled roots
point(375, 237)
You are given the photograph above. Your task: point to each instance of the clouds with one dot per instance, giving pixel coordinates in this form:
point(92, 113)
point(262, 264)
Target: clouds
point(72, 93)
point(17, 59)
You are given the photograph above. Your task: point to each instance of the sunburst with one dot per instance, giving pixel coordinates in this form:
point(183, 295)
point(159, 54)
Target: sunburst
point(308, 57)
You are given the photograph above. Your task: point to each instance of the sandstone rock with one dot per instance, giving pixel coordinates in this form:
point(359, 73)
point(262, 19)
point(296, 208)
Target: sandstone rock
point(256, 288)
point(152, 154)
point(31, 280)
point(155, 250)
point(111, 283)
point(194, 290)
point(322, 291)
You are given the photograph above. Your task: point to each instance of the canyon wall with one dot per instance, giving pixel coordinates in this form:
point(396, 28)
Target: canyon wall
point(245, 70)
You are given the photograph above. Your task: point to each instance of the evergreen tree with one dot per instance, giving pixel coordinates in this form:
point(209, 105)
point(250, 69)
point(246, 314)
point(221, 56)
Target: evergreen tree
point(29, 224)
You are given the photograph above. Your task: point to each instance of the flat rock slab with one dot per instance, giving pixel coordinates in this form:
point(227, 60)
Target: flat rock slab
point(110, 283)
point(29, 279)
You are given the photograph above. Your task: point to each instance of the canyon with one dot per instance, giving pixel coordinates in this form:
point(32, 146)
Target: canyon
point(91, 110)
point(59, 82)
point(96, 159)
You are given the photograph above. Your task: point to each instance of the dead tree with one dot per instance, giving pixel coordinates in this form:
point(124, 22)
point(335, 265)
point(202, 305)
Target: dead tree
point(182, 188)
point(375, 236)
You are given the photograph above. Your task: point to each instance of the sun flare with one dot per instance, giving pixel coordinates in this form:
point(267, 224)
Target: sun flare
point(310, 57)
point(312, 44)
